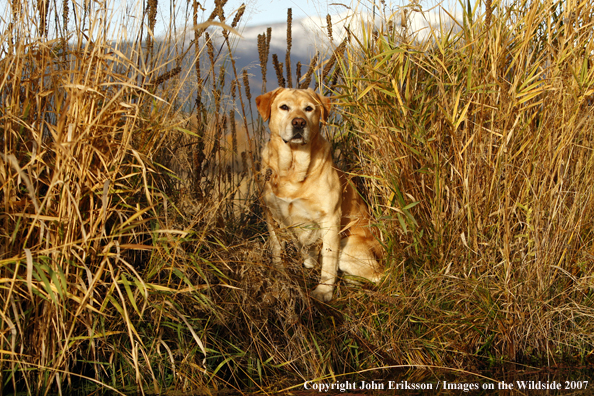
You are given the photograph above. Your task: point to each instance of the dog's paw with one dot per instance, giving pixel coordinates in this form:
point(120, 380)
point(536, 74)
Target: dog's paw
point(277, 260)
point(309, 262)
point(323, 293)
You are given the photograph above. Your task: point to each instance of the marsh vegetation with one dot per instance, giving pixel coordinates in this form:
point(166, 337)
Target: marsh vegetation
point(133, 252)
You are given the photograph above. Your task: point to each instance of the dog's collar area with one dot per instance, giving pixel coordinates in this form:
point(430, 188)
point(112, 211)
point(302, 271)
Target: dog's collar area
point(291, 141)
point(298, 137)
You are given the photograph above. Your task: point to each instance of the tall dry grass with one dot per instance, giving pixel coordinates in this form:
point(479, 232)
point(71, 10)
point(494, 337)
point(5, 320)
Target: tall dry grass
point(133, 255)
point(478, 150)
point(102, 278)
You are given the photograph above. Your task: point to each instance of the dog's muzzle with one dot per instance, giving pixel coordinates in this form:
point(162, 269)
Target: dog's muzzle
point(298, 125)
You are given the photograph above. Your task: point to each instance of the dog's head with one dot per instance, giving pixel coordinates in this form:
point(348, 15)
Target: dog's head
point(294, 114)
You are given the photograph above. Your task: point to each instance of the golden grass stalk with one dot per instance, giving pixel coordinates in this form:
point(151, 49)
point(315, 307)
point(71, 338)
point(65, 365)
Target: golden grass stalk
point(298, 72)
point(263, 51)
point(278, 67)
point(151, 20)
point(310, 70)
point(246, 85)
point(289, 44)
point(327, 77)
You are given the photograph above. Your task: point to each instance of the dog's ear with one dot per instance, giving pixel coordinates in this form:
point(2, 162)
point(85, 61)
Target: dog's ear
point(325, 102)
point(264, 103)
point(326, 105)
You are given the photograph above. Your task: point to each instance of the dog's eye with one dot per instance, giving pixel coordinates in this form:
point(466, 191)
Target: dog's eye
point(284, 107)
point(308, 109)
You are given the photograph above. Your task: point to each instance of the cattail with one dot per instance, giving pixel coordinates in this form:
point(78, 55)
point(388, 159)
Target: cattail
point(263, 53)
point(211, 56)
point(246, 84)
point(221, 14)
point(219, 10)
point(198, 159)
point(233, 131)
point(212, 16)
point(152, 13)
point(335, 77)
point(289, 44)
point(65, 12)
point(217, 99)
point(220, 85)
point(310, 70)
point(16, 10)
point(226, 35)
point(338, 52)
point(218, 134)
point(221, 82)
point(298, 73)
point(278, 67)
point(261, 49)
point(167, 75)
point(329, 26)
point(489, 7)
point(42, 7)
point(152, 20)
point(232, 59)
point(238, 16)
point(197, 34)
point(243, 164)
point(210, 49)
point(199, 98)
point(234, 85)
point(65, 20)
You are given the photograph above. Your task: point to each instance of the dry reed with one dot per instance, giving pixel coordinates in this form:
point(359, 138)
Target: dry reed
point(310, 72)
point(132, 245)
point(278, 67)
point(289, 45)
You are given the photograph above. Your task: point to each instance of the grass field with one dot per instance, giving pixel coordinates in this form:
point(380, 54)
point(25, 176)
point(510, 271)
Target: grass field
point(133, 252)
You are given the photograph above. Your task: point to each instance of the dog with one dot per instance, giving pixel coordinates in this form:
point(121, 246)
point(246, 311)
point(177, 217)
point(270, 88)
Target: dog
point(305, 193)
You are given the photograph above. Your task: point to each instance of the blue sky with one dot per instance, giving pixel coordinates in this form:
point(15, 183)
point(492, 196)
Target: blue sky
point(259, 12)
point(270, 11)
point(262, 12)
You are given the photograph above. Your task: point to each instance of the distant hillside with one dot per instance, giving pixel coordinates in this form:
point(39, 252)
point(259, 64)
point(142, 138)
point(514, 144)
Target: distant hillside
point(309, 35)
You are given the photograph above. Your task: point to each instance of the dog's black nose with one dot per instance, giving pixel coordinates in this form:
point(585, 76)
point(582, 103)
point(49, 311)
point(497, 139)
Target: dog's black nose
point(299, 123)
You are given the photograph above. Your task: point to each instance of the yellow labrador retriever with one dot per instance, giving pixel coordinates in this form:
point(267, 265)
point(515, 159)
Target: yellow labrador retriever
point(306, 194)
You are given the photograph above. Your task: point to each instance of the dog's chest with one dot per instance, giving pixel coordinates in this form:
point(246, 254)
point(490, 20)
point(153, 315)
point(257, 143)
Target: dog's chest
point(303, 216)
point(293, 211)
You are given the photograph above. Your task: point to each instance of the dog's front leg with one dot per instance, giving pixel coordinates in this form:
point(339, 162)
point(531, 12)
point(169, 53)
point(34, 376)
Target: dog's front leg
point(310, 256)
point(330, 250)
point(276, 246)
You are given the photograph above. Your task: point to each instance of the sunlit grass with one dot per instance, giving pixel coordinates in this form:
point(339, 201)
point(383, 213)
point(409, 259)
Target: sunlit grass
point(132, 249)
point(478, 150)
